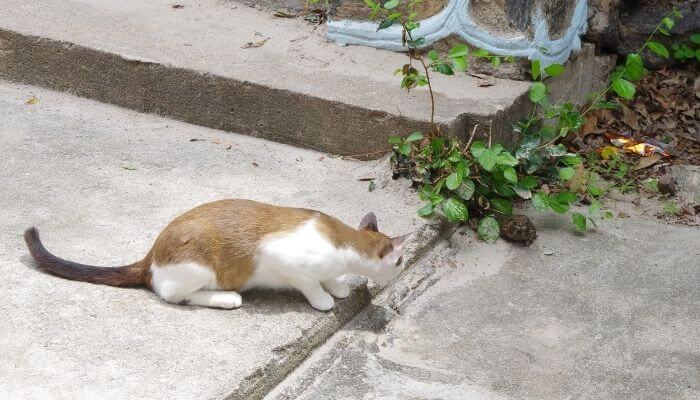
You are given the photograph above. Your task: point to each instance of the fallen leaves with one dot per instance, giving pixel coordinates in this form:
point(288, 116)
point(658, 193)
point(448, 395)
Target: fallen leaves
point(662, 119)
point(32, 101)
point(283, 13)
point(484, 80)
point(252, 45)
point(646, 162)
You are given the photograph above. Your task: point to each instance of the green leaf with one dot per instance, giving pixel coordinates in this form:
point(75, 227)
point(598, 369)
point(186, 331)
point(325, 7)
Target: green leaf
point(487, 159)
point(510, 174)
point(555, 151)
point(505, 158)
point(416, 42)
point(496, 62)
point(502, 205)
point(624, 88)
point(454, 180)
point(554, 70)
point(385, 24)
point(504, 189)
point(460, 64)
point(481, 53)
point(414, 137)
point(658, 48)
point(391, 4)
point(405, 149)
point(395, 140)
point(668, 22)
point(535, 69)
point(529, 182)
point(565, 197)
point(522, 191)
point(537, 92)
point(561, 208)
point(488, 229)
point(477, 148)
point(460, 50)
point(426, 211)
point(634, 66)
point(433, 55)
point(455, 210)
point(566, 173)
point(443, 68)
point(466, 190)
point(540, 201)
point(579, 221)
point(695, 38)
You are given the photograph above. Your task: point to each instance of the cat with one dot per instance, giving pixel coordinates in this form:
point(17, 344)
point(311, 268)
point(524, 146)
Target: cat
point(209, 254)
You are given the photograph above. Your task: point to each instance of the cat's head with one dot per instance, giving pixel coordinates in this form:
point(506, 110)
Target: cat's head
point(386, 253)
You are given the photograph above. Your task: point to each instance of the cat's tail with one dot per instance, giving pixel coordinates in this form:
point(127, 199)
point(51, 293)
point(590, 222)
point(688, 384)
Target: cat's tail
point(136, 274)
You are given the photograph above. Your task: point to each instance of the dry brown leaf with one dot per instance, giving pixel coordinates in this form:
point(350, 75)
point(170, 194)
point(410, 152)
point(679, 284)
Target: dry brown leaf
point(646, 162)
point(590, 126)
point(251, 45)
point(579, 181)
point(483, 80)
point(630, 118)
point(32, 100)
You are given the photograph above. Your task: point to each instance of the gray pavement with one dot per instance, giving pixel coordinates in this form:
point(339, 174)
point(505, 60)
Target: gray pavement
point(100, 182)
point(612, 314)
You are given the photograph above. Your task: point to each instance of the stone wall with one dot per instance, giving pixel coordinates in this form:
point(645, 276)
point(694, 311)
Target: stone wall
point(622, 26)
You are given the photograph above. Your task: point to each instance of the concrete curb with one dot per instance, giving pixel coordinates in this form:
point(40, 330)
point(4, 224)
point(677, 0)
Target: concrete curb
point(201, 98)
point(258, 384)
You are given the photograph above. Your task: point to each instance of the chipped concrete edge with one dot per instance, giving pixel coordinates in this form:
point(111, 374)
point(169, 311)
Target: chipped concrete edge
point(289, 357)
point(384, 306)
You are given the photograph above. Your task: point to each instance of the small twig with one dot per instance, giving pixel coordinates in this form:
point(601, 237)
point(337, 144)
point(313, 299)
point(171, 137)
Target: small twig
point(490, 125)
point(471, 137)
point(365, 154)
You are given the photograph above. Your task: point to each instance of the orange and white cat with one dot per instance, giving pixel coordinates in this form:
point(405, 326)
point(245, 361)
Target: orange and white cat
point(209, 254)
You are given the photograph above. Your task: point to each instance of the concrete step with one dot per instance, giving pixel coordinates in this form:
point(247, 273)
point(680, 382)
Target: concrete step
point(100, 182)
point(192, 64)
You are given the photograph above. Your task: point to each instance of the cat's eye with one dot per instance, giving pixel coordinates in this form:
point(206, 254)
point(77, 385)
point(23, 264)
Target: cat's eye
point(399, 261)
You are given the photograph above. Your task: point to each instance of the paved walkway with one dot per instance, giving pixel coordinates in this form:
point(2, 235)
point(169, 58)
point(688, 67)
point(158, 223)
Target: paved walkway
point(614, 314)
point(100, 182)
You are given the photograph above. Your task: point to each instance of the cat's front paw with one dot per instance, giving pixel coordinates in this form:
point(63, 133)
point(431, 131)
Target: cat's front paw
point(337, 288)
point(322, 302)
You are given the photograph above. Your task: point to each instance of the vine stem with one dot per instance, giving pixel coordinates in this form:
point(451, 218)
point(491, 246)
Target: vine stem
point(413, 50)
point(430, 89)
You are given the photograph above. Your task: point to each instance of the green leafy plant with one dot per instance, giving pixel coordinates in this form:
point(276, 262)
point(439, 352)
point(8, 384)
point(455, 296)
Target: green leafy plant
point(687, 51)
point(482, 178)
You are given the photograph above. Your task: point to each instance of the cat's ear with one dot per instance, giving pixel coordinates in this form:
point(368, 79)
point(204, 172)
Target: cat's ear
point(397, 242)
point(369, 223)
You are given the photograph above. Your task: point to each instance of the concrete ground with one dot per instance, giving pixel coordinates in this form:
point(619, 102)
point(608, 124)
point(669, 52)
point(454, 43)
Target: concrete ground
point(100, 182)
point(612, 314)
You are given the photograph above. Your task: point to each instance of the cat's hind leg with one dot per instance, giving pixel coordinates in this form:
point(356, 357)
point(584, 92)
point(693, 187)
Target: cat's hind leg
point(336, 287)
point(216, 299)
point(187, 283)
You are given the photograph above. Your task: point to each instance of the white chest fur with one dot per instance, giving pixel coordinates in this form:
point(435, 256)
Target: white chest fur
point(298, 256)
